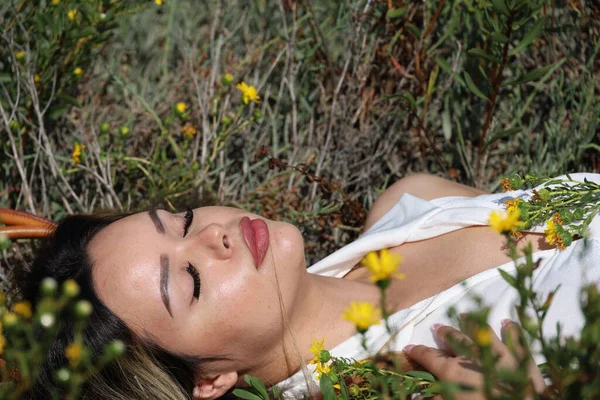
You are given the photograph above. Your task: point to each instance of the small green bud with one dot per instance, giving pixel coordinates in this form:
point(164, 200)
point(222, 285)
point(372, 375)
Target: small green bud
point(115, 349)
point(544, 194)
point(195, 166)
point(47, 320)
point(14, 125)
point(70, 288)
point(83, 309)
point(227, 79)
point(566, 216)
point(324, 356)
point(578, 214)
point(226, 121)
point(63, 376)
point(516, 182)
point(257, 115)
point(49, 287)
point(354, 390)
point(10, 319)
point(124, 131)
point(104, 127)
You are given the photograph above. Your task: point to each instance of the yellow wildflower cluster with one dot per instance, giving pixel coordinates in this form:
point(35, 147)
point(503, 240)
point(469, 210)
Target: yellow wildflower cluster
point(181, 107)
point(22, 309)
point(383, 266)
point(72, 14)
point(553, 237)
point(512, 205)
point(362, 314)
point(73, 354)
point(506, 223)
point(76, 156)
point(483, 336)
point(188, 130)
point(249, 93)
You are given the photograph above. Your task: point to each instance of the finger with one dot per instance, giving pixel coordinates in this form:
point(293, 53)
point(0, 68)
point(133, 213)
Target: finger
point(515, 342)
point(451, 339)
point(433, 360)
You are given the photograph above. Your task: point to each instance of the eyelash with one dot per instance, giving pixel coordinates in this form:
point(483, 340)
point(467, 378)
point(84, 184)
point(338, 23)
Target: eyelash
point(188, 218)
point(196, 276)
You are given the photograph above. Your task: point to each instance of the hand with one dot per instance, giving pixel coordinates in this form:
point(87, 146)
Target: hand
point(448, 366)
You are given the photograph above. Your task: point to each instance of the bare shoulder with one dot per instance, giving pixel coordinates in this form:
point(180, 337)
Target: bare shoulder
point(425, 186)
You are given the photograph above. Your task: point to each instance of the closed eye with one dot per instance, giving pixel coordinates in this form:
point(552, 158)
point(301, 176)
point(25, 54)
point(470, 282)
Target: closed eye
point(187, 221)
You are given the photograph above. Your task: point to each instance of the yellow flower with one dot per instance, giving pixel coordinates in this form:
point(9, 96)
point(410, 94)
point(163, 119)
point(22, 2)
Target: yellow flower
point(362, 314)
point(321, 369)
point(483, 336)
point(181, 107)
point(55, 2)
point(72, 14)
point(188, 130)
point(159, 2)
point(506, 223)
point(512, 205)
point(2, 343)
point(76, 156)
point(20, 55)
point(37, 79)
point(316, 347)
point(10, 319)
point(383, 267)
point(249, 93)
point(553, 236)
point(73, 354)
point(78, 71)
point(22, 309)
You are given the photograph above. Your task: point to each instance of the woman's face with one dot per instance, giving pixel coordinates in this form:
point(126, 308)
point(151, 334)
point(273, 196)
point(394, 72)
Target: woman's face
point(142, 273)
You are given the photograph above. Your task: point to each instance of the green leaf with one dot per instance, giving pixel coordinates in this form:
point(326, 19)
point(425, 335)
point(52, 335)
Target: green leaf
point(405, 96)
point(5, 77)
point(426, 376)
point(446, 124)
point(58, 111)
point(498, 37)
point(529, 37)
point(327, 388)
point(258, 385)
point(508, 278)
point(244, 394)
point(484, 54)
point(66, 99)
point(531, 75)
point(501, 135)
point(500, 6)
point(413, 29)
point(397, 13)
point(474, 89)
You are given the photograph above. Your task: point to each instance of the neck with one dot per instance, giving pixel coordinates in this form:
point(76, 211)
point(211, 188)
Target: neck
point(317, 314)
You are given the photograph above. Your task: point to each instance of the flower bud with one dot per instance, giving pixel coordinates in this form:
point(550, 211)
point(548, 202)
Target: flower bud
point(63, 376)
point(578, 214)
point(124, 131)
point(48, 287)
point(544, 194)
point(83, 309)
point(115, 349)
point(324, 356)
point(47, 320)
point(257, 114)
point(14, 125)
point(226, 121)
point(70, 288)
point(195, 166)
point(227, 79)
point(10, 319)
point(516, 182)
point(104, 127)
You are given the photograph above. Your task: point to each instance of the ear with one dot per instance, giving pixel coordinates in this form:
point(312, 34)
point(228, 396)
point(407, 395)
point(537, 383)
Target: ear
point(215, 386)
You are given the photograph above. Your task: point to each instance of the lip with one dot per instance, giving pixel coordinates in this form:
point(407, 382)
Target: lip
point(256, 236)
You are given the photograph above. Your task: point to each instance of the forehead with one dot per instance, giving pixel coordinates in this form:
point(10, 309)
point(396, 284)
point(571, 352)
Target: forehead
point(126, 269)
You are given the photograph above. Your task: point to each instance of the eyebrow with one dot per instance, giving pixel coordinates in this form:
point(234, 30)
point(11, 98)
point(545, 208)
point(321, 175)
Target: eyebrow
point(157, 222)
point(164, 282)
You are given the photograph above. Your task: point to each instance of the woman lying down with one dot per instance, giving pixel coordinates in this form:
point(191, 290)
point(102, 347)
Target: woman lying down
point(204, 297)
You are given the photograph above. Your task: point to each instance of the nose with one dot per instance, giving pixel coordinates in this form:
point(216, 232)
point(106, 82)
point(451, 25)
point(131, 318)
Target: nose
point(213, 239)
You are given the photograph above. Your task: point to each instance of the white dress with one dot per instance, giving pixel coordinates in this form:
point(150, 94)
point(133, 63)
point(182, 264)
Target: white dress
point(413, 219)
